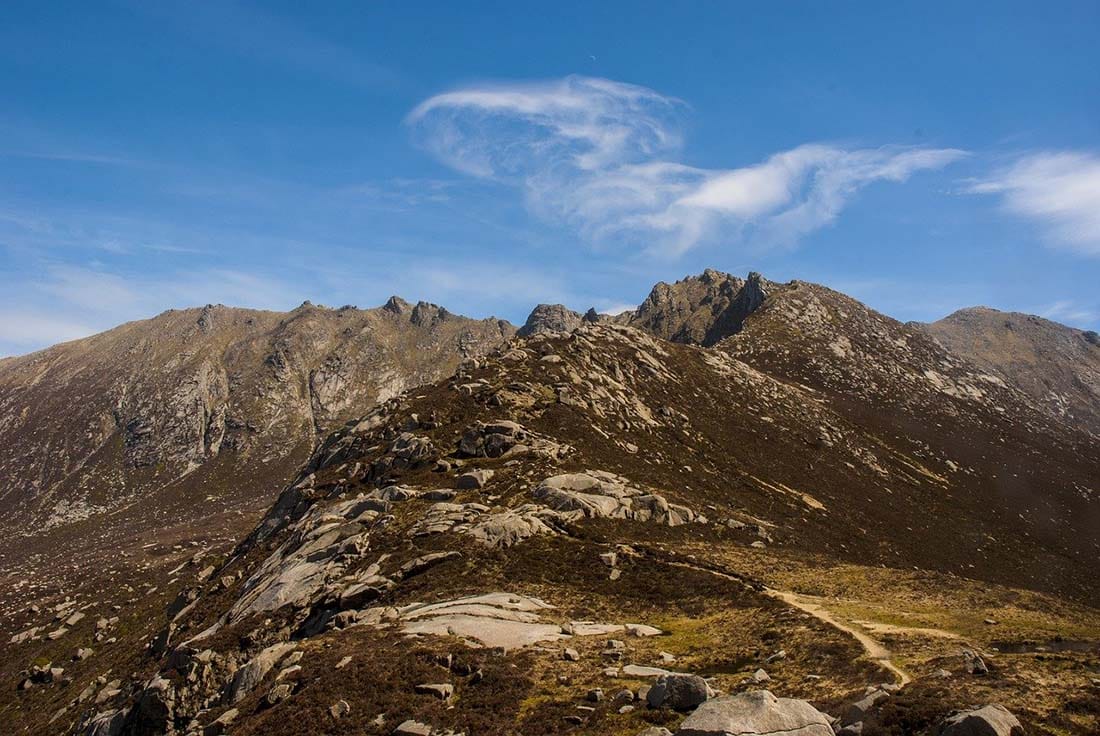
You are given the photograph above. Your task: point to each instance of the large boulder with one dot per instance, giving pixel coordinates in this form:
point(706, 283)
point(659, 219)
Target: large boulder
point(859, 710)
point(991, 720)
point(756, 713)
point(677, 691)
point(251, 674)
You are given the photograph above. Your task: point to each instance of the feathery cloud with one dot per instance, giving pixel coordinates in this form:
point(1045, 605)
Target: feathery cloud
point(600, 155)
point(1059, 190)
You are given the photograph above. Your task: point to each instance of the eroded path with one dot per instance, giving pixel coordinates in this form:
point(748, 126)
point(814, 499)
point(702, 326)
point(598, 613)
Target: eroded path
point(874, 649)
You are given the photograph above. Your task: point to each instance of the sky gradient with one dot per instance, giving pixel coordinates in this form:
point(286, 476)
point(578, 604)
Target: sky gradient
point(921, 157)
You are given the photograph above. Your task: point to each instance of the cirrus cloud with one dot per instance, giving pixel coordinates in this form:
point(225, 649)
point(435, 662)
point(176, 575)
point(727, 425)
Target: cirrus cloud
point(1058, 189)
point(600, 155)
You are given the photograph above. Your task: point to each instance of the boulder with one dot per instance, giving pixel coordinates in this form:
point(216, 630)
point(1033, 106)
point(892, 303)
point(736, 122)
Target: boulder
point(249, 676)
point(279, 693)
point(858, 711)
point(441, 690)
point(677, 691)
point(990, 720)
point(975, 665)
point(221, 724)
point(756, 713)
point(423, 563)
point(473, 479)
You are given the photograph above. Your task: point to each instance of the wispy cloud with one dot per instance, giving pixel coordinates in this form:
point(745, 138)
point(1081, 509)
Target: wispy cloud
point(69, 301)
point(601, 155)
point(1058, 190)
point(1069, 312)
point(22, 329)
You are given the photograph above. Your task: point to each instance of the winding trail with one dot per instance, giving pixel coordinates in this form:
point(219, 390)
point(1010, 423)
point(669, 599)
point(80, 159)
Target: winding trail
point(874, 649)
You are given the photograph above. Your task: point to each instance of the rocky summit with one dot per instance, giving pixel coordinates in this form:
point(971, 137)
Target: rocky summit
point(745, 507)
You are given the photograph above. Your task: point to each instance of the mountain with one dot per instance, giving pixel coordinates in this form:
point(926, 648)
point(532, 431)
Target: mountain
point(187, 420)
point(1058, 366)
point(608, 525)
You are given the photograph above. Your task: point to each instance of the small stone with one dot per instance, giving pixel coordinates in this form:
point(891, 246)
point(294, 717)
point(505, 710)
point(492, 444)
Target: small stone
point(343, 663)
point(781, 654)
point(760, 676)
point(339, 709)
point(594, 695)
point(571, 655)
point(412, 728)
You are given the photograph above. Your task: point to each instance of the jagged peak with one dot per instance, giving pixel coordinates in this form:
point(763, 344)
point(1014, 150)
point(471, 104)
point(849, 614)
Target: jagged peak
point(426, 313)
point(700, 309)
point(397, 305)
point(550, 318)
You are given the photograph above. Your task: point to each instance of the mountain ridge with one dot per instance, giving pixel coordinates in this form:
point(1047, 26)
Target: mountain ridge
point(584, 480)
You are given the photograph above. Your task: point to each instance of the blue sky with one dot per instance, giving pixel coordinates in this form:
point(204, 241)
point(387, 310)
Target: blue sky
point(919, 156)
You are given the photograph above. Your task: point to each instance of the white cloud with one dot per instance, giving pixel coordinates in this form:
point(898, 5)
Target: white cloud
point(600, 155)
point(1059, 190)
point(617, 308)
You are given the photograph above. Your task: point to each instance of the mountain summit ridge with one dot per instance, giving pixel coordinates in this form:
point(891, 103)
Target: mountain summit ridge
point(738, 477)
